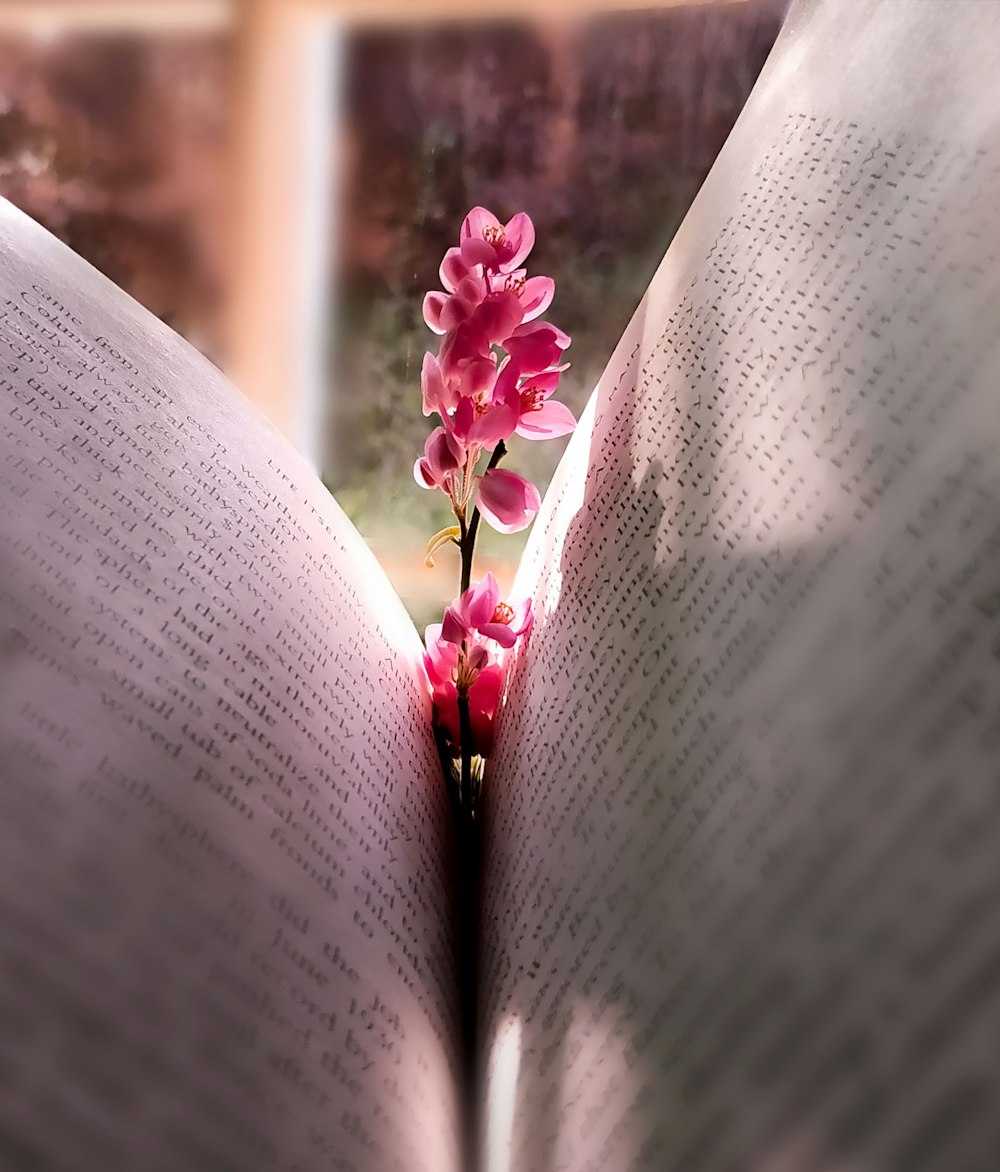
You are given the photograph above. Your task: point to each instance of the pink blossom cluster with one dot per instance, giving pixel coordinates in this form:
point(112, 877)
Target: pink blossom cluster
point(494, 376)
point(460, 655)
point(484, 397)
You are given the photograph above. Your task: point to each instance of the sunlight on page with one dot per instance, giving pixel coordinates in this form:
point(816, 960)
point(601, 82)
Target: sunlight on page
point(566, 490)
point(501, 1081)
point(597, 1093)
point(743, 789)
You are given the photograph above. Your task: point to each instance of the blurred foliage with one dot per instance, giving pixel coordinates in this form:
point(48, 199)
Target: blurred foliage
point(603, 130)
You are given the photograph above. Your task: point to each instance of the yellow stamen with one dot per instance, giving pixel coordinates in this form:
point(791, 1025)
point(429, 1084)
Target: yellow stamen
point(465, 674)
point(494, 235)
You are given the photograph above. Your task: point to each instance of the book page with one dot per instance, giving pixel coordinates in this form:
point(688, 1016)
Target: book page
point(743, 824)
point(224, 900)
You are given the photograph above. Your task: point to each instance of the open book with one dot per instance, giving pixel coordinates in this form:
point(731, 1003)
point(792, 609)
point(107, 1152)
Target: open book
point(742, 826)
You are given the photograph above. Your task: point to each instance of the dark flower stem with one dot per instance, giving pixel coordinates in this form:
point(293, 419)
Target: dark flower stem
point(467, 545)
point(468, 542)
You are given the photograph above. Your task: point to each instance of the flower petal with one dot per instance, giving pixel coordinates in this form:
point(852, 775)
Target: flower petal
point(467, 363)
point(472, 288)
point(484, 699)
point(453, 269)
point(454, 311)
point(478, 252)
point(498, 423)
point(507, 501)
point(537, 346)
point(432, 385)
point(476, 223)
point(478, 376)
point(544, 328)
point(501, 632)
point(434, 303)
point(440, 658)
point(505, 389)
point(548, 420)
point(536, 297)
point(422, 474)
point(546, 382)
point(463, 419)
point(524, 618)
point(481, 600)
point(478, 657)
point(453, 629)
point(499, 315)
point(444, 453)
point(519, 234)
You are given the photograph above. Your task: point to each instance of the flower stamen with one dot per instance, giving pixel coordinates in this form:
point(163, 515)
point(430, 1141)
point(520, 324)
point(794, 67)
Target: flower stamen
point(495, 235)
point(532, 399)
point(504, 613)
point(466, 671)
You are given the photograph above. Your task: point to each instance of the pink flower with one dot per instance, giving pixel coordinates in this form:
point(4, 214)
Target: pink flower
point(448, 665)
point(502, 247)
point(454, 270)
point(514, 297)
point(489, 318)
point(499, 315)
point(445, 311)
point(448, 662)
point(466, 362)
point(538, 417)
point(484, 698)
point(443, 456)
point(440, 658)
point(533, 293)
point(537, 347)
point(480, 611)
point(489, 304)
point(500, 303)
point(438, 395)
point(484, 423)
point(507, 501)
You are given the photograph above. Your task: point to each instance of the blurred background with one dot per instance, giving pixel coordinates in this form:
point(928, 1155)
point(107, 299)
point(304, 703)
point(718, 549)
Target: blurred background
point(279, 179)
